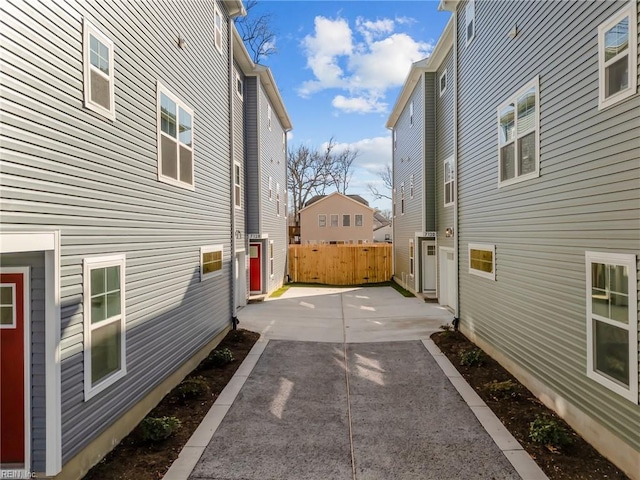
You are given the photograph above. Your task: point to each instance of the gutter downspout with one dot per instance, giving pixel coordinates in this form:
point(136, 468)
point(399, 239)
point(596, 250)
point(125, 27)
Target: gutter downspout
point(456, 237)
point(234, 287)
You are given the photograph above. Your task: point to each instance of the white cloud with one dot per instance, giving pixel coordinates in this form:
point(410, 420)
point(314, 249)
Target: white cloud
point(375, 152)
point(363, 62)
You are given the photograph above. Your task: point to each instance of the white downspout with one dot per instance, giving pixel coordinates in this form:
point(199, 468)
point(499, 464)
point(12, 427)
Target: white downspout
point(234, 287)
point(456, 238)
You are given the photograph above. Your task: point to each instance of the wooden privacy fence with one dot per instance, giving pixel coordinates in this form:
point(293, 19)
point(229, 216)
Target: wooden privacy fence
point(340, 264)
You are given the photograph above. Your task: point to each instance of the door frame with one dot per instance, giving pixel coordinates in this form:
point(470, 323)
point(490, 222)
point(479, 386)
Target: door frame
point(442, 251)
point(427, 242)
point(26, 337)
point(260, 244)
point(241, 272)
point(48, 242)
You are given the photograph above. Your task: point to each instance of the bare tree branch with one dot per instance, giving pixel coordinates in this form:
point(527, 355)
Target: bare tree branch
point(386, 176)
point(256, 32)
point(341, 171)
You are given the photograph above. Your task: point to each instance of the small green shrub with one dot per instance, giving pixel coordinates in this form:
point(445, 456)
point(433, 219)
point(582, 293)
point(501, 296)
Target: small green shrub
point(502, 390)
point(218, 358)
point(191, 388)
point(547, 431)
point(446, 327)
point(158, 429)
point(472, 357)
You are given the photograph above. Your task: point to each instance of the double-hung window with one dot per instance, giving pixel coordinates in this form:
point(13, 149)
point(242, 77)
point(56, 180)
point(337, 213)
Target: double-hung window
point(237, 190)
point(269, 117)
point(98, 72)
point(470, 21)
point(104, 323)
point(402, 199)
point(411, 186)
point(334, 219)
point(518, 135)
point(271, 271)
point(612, 322)
point(239, 85)
point(411, 114)
point(346, 220)
point(449, 181)
point(617, 56)
point(210, 261)
point(270, 188)
point(358, 220)
point(482, 260)
point(277, 199)
point(411, 257)
point(322, 220)
point(175, 140)
point(395, 139)
point(217, 27)
point(443, 82)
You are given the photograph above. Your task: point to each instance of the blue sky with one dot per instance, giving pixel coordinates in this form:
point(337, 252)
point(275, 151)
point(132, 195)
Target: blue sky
point(340, 66)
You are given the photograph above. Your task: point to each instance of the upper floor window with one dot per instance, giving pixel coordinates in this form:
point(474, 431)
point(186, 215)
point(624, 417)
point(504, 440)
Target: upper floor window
point(270, 188)
point(334, 219)
point(284, 142)
point(617, 56)
point(175, 140)
point(322, 220)
point(395, 139)
point(518, 135)
point(98, 72)
point(612, 322)
point(411, 186)
point(236, 183)
point(449, 181)
point(104, 322)
point(358, 220)
point(271, 262)
point(346, 220)
point(278, 199)
point(411, 257)
point(470, 20)
point(217, 27)
point(239, 85)
point(269, 116)
point(402, 199)
point(443, 82)
point(411, 114)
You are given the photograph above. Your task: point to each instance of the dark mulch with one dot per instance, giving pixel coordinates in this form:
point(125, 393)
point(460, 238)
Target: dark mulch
point(517, 408)
point(132, 459)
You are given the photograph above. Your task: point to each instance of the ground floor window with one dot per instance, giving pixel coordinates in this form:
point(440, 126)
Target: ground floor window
point(104, 322)
point(210, 261)
point(482, 260)
point(612, 322)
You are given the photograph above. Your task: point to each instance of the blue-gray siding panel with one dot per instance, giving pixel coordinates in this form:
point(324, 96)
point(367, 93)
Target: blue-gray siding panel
point(251, 154)
point(96, 180)
point(586, 198)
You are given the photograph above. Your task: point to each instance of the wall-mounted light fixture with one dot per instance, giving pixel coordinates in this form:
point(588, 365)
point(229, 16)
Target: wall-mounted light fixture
point(181, 42)
point(448, 232)
point(238, 234)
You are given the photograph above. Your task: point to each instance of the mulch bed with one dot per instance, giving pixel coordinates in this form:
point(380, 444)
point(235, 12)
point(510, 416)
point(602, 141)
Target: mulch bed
point(517, 408)
point(133, 459)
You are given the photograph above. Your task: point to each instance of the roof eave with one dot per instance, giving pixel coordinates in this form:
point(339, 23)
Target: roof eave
point(235, 8)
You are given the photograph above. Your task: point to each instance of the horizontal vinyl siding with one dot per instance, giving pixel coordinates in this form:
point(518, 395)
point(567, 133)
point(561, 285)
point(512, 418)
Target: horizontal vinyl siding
point(586, 198)
point(239, 155)
point(444, 148)
point(251, 154)
point(408, 159)
point(35, 262)
point(273, 163)
point(96, 181)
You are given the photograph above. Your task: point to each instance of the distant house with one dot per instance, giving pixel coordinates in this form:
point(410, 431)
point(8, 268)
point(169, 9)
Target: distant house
point(382, 228)
point(260, 168)
point(336, 219)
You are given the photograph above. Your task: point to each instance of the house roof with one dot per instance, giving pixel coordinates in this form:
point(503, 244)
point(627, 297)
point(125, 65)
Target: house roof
point(382, 226)
point(380, 220)
point(429, 64)
point(320, 198)
point(249, 68)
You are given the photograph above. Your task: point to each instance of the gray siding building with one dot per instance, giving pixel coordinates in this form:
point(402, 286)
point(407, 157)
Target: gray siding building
point(537, 160)
point(120, 139)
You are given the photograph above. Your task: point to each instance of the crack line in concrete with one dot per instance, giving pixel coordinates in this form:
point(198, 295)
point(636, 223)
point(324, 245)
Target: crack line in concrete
point(346, 377)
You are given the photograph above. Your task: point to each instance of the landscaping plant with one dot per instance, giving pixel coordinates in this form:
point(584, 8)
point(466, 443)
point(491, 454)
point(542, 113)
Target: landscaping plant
point(548, 432)
point(155, 430)
point(472, 357)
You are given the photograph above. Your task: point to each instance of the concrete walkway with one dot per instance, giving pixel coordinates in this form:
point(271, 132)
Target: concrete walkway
point(308, 405)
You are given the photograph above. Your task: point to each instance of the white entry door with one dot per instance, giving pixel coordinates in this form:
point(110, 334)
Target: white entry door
point(241, 279)
point(447, 294)
point(428, 267)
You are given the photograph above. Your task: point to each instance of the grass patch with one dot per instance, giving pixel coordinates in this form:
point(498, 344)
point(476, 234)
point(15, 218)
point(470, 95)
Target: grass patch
point(280, 291)
point(403, 291)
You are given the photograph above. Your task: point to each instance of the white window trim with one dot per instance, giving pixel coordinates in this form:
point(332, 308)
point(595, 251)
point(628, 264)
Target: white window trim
point(628, 260)
point(179, 104)
point(13, 305)
point(632, 52)
point(239, 92)
point(269, 117)
point(209, 249)
point(89, 264)
point(452, 181)
point(271, 259)
point(355, 220)
point(346, 215)
point(411, 187)
point(411, 114)
point(394, 202)
point(402, 199)
point(270, 188)
point(89, 29)
point(395, 139)
point(488, 248)
point(446, 79)
point(237, 200)
point(216, 12)
point(412, 258)
point(331, 222)
point(277, 199)
point(325, 220)
point(514, 99)
point(471, 5)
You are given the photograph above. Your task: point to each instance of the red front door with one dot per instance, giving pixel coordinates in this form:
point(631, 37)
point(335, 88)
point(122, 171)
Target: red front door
point(255, 267)
point(12, 368)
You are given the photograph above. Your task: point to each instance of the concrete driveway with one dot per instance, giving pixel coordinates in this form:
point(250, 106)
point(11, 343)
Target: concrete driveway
point(351, 315)
point(345, 384)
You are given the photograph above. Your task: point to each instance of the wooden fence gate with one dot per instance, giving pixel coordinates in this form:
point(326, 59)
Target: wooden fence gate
point(340, 264)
